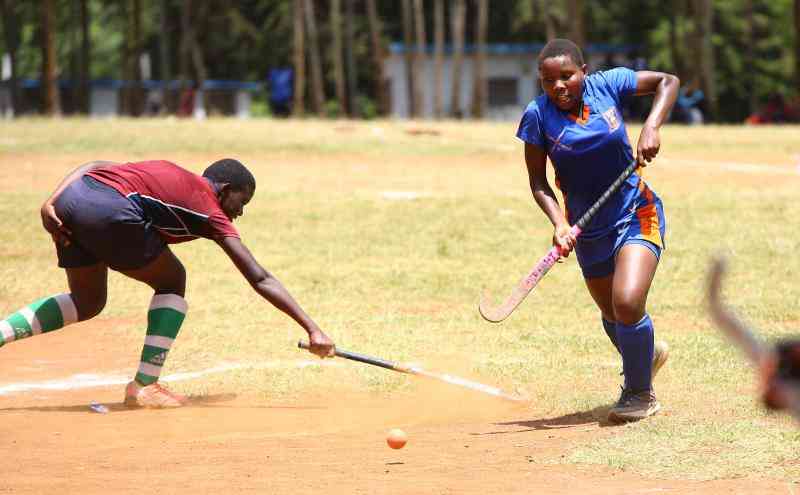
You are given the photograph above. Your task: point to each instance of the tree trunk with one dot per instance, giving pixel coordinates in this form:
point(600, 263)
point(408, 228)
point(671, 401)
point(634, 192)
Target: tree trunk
point(577, 31)
point(377, 57)
point(164, 38)
point(74, 54)
point(703, 19)
point(185, 48)
point(548, 18)
point(675, 41)
point(11, 28)
point(338, 62)
point(350, 59)
point(132, 101)
point(198, 59)
point(420, 57)
point(438, 62)
point(749, 57)
point(797, 45)
point(480, 93)
point(458, 11)
point(51, 97)
point(317, 91)
point(299, 57)
point(85, 58)
point(411, 77)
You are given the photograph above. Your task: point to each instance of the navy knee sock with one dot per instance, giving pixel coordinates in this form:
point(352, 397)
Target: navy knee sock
point(636, 346)
point(611, 331)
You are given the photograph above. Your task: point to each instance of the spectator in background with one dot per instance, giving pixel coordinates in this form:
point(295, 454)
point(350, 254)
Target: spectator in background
point(186, 104)
point(280, 91)
point(776, 111)
point(687, 107)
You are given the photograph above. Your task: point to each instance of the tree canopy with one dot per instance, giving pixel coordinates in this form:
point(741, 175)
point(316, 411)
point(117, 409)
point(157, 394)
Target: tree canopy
point(752, 44)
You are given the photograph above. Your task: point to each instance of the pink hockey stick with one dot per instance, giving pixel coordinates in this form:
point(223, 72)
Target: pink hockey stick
point(525, 286)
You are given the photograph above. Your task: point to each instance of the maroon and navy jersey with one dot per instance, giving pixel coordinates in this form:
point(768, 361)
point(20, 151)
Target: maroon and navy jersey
point(180, 204)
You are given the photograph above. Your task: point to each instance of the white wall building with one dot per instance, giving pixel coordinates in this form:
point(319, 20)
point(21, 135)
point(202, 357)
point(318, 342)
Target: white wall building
point(511, 73)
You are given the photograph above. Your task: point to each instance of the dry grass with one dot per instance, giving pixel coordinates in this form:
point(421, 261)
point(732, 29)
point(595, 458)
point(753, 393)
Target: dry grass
point(400, 278)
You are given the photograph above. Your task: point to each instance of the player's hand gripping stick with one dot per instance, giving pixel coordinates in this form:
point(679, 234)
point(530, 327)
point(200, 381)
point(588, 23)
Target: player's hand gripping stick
point(525, 286)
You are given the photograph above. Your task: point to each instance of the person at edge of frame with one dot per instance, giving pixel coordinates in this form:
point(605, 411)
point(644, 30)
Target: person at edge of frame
point(577, 123)
point(123, 216)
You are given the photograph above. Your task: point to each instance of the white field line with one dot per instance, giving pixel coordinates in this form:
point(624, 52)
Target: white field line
point(751, 168)
point(401, 195)
point(88, 380)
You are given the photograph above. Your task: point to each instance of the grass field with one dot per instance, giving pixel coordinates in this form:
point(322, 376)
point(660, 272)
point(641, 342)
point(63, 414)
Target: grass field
point(386, 232)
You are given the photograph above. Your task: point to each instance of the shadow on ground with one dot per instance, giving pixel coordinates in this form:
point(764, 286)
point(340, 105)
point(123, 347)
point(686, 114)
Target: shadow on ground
point(597, 416)
point(211, 400)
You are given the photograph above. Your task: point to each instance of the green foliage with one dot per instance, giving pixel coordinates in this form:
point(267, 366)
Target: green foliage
point(242, 40)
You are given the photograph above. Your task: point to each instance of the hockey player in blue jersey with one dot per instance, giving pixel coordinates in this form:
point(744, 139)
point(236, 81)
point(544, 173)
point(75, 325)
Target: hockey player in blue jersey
point(577, 123)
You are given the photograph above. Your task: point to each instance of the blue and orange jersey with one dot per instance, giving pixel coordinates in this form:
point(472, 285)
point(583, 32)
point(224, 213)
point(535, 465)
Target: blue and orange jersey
point(181, 205)
point(588, 153)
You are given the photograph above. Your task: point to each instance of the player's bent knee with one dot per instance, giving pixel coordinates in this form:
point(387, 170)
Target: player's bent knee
point(89, 308)
point(628, 312)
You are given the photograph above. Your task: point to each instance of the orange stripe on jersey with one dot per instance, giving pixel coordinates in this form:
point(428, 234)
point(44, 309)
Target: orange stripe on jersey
point(646, 191)
point(583, 118)
point(649, 224)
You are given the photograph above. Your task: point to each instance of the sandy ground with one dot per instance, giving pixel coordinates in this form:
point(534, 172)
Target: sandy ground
point(459, 444)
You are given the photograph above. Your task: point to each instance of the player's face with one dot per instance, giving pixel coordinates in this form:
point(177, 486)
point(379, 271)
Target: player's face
point(233, 201)
point(562, 81)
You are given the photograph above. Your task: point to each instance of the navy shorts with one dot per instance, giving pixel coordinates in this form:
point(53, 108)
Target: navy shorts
point(597, 257)
point(106, 227)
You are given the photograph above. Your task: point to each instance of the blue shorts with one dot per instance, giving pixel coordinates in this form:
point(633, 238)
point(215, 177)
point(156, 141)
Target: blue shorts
point(597, 257)
point(106, 227)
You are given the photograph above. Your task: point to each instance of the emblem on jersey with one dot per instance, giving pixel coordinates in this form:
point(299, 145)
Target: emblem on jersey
point(611, 119)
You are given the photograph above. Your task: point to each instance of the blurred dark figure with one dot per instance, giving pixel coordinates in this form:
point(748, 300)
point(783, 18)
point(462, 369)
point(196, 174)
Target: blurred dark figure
point(777, 364)
point(186, 104)
point(280, 91)
point(687, 107)
point(776, 111)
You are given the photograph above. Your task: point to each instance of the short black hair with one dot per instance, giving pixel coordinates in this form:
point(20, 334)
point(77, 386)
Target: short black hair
point(232, 172)
point(558, 47)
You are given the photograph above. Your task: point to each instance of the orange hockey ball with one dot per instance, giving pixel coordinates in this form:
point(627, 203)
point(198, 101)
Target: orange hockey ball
point(396, 438)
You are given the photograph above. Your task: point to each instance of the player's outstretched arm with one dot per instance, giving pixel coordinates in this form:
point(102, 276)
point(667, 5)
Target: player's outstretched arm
point(50, 220)
point(271, 289)
point(665, 86)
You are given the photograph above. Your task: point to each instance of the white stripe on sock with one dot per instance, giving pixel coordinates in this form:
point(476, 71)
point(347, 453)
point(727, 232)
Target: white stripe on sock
point(33, 321)
point(150, 369)
point(173, 301)
point(7, 331)
point(69, 313)
point(158, 341)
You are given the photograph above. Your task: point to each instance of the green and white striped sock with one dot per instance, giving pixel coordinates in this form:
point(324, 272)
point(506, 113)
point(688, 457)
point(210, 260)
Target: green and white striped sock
point(44, 315)
point(164, 319)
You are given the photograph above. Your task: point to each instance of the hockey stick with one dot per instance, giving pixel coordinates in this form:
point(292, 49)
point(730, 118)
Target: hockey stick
point(770, 361)
point(526, 285)
point(412, 369)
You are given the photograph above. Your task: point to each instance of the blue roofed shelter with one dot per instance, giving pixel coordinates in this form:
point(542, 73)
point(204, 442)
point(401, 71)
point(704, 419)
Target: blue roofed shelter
point(511, 77)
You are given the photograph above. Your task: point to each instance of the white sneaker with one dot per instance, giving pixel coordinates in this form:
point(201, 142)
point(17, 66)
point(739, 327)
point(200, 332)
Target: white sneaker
point(634, 407)
point(154, 396)
point(660, 356)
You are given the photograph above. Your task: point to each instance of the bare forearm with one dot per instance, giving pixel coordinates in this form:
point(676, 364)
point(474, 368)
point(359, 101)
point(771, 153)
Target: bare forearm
point(273, 291)
point(665, 96)
point(546, 199)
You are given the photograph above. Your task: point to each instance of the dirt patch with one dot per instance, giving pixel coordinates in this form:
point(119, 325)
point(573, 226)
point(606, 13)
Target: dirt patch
point(330, 441)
